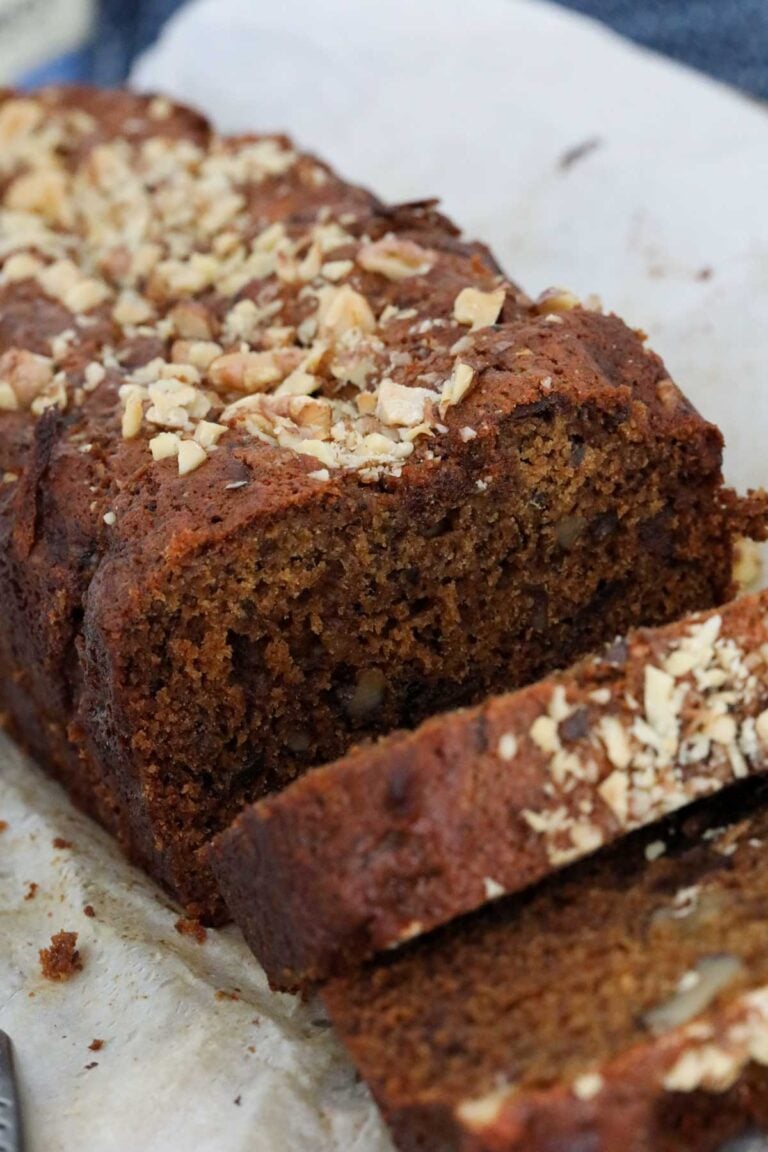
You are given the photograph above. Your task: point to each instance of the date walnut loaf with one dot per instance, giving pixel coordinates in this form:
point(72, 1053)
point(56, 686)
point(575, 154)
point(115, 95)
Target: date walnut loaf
point(284, 468)
point(404, 835)
point(620, 1007)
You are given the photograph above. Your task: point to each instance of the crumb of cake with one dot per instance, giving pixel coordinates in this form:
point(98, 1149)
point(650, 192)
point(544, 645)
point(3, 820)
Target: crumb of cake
point(60, 843)
point(31, 891)
point(96, 1045)
point(62, 959)
point(3, 826)
point(223, 994)
point(191, 928)
point(88, 910)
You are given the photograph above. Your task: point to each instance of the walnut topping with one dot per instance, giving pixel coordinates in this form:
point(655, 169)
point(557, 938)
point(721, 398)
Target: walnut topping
point(455, 389)
point(701, 724)
point(761, 728)
point(395, 258)
point(478, 309)
point(748, 565)
point(164, 445)
point(556, 300)
point(133, 414)
point(191, 320)
point(191, 456)
point(507, 749)
point(23, 377)
point(252, 371)
point(400, 405)
point(343, 310)
point(615, 791)
point(43, 192)
point(588, 1085)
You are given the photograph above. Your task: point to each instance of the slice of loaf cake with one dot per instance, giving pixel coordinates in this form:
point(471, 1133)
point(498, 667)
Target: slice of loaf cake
point(404, 835)
point(284, 468)
point(620, 1007)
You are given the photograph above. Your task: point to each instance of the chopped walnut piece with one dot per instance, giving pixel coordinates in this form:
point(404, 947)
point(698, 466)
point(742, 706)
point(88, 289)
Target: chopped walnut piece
point(400, 405)
point(191, 456)
point(556, 300)
point(208, 434)
point(133, 414)
point(21, 266)
point(199, 353)
point(192, 320)
point(395, 258)
point(748, 565)
point(131, 308)
point(18, 120)
point(479, 309)
point(319, 449)
point(253, 371)
point(164, 445)
point(175, 402)
point(344, 310)
point(26, 375)
point(456, 388)
point(761, 728)
point(9, 401)
point(45, 192)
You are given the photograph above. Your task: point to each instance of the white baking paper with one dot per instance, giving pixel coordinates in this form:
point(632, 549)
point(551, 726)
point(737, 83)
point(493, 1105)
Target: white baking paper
point(663, 215)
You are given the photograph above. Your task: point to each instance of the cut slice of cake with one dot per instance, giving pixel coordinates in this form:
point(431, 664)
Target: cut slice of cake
point(406, 834)
point(284, 468)
point(620, 1007)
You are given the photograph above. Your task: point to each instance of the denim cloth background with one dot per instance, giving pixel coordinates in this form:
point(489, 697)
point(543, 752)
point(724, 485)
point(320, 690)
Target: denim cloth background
point(727, 38)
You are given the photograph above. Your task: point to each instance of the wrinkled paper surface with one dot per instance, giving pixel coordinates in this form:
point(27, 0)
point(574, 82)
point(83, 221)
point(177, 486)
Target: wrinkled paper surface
point(584, 162)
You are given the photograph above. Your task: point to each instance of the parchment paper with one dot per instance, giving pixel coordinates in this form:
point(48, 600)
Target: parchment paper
point(661, 210)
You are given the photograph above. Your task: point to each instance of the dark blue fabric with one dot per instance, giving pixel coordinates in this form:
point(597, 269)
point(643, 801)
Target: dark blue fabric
point(124, 29)
point(726, 38)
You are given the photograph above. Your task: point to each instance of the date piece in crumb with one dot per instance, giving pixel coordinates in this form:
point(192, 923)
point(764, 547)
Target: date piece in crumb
point(60, 842)
point(61, 960)
point(191, 928)
point(89, 910)
point(31, 891)
point(3, 825)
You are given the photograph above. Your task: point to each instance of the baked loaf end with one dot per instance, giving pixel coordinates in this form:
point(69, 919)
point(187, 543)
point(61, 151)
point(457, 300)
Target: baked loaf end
point(285, 468)
point(406, 834)
point(621, 1006)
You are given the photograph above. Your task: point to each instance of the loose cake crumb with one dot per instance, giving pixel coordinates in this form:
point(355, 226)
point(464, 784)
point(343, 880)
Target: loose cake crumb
point(191, 928)
point(61, 843)
point(3, 826)
point(89, 911)
point(61, 960)
point(31, 891)
point(96, 1045)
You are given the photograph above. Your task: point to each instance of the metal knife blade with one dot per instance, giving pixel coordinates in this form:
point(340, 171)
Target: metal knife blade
point(11, 1139)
